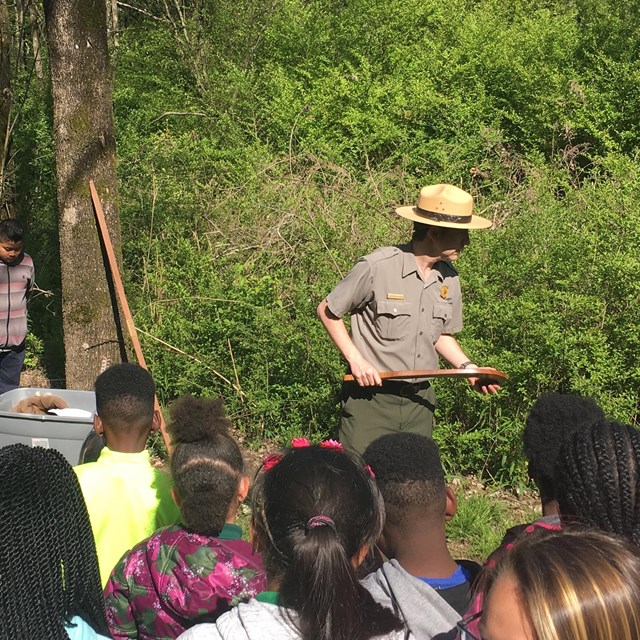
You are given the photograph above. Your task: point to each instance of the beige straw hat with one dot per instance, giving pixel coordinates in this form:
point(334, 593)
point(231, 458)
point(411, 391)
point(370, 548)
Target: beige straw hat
point(444, 205)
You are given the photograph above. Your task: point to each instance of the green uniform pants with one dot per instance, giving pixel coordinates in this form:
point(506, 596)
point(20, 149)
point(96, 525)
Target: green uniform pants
point(371, 412)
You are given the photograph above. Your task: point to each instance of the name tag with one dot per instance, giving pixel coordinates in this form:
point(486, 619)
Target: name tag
point(395, 296)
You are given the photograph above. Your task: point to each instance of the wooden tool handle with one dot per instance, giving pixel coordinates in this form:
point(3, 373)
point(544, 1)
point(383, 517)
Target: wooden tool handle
point(122, 298)
point(478, 372)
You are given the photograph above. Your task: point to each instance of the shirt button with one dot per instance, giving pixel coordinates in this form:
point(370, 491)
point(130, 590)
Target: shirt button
point(395, 310)
point(421, 332)
point(422, 309)
point(418, 356)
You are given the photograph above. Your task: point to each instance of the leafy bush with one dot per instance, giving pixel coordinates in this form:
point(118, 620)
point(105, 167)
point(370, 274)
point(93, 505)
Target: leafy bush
point(263, 145)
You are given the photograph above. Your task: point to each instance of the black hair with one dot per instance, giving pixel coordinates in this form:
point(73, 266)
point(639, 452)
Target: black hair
point(48, 563)
point(125, 396)
point(420, 231)
point(409, 475)
point(12, 230)
point(206, 463)
point(598, 479)
point(313, 564)
point(551, 420)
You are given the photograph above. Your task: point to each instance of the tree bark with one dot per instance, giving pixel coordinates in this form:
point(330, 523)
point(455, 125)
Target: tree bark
point(7, 199)
point(84, 137)
point(112, 22)
point(35, 20)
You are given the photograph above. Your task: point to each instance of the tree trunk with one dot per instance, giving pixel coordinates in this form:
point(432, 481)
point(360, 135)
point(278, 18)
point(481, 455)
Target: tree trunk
point(85, 149)
point(112, 22)
point(6, 191)
point(35, 19)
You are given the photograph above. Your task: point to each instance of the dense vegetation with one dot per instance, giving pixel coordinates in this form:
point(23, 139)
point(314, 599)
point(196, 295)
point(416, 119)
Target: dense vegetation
point(263, 144)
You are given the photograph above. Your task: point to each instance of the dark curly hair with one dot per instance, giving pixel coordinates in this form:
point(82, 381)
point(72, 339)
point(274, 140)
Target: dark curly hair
point(206, 463)
point(598, 479)
point(125, 396)
point(409, 475)
point(551, 420)
point(48, 563)
point(12, 230)
point(314, 563)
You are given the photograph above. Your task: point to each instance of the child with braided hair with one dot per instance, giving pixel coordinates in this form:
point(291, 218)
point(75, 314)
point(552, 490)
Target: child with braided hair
point(552, 419)
point(192, 572)
point(598, 479)
point(316, 513)
point(49, 578)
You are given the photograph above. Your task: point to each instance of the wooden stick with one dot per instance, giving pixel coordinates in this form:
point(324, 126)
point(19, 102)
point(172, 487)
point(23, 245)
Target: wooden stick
point(478, 372)
point(122, 298)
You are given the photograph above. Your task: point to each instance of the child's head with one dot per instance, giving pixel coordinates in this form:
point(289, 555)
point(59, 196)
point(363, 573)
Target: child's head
point(316, 513)
point(125, 403)
point(410, 477)
point(11, 240)
point(569, 585)
point(552, 419)
point(48, 561)
point(206, 465)
point(598, 479)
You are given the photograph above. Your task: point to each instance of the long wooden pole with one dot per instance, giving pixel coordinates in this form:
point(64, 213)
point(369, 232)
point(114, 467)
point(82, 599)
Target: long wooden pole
point(477, 372)
point(122, 298)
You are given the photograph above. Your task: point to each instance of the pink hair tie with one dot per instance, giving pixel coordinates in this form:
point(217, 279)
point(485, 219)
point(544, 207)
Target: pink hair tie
point(320, 521)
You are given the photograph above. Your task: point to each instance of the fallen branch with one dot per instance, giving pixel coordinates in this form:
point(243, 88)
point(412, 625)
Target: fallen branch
point(237, 388)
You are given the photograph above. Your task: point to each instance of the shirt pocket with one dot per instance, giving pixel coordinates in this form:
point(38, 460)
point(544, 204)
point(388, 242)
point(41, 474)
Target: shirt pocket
point(442, 313)
point(393, 318)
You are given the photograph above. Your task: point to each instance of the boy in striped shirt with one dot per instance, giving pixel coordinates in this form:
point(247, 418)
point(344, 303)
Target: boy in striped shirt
point(16, 279)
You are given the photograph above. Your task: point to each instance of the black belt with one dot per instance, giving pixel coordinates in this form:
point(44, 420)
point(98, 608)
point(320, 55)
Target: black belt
point(397, 387)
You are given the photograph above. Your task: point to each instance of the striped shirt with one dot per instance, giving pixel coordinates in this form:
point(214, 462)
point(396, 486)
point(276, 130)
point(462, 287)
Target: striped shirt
point(15, 284)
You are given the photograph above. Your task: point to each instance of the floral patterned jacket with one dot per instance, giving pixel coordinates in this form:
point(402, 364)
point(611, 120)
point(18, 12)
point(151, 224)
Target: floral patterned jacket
point(178, 578)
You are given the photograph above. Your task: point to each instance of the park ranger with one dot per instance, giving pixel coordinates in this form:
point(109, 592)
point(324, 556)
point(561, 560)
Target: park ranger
point(405, 305)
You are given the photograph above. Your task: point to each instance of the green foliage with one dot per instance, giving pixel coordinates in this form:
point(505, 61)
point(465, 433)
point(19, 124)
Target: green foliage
point(263, 145)
point(34, 350)
point(238, 220)
point(480, 523)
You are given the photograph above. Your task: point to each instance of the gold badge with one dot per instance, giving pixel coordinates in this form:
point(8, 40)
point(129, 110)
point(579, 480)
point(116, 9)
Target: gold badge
point(444, 292)
point(395, 296)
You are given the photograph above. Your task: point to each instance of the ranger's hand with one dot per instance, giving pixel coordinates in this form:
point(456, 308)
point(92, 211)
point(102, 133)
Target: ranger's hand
point(484, 385)
point(365, 374)
point(481, 385)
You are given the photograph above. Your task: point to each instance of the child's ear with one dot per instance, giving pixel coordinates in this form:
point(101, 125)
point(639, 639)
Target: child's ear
point(358, 559)
point(156, 421)
point(243, 489)
point(451, 503)
point(97, 424)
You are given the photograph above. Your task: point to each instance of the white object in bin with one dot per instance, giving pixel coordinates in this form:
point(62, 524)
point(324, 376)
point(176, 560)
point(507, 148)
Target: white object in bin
point(40, 442)
point(71, 413)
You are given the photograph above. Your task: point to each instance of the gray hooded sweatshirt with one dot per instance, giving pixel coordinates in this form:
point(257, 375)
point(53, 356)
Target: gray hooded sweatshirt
point(426, 614)
point(255, 621)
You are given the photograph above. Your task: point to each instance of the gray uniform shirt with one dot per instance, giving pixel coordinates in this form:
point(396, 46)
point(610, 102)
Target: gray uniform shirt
point(396, 315)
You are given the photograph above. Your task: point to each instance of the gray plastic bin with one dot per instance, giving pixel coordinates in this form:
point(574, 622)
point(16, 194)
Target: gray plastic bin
point(66, 434)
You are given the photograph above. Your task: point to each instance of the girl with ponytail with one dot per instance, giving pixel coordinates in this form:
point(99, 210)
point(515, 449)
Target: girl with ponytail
point(192, 572)
point(316, 514)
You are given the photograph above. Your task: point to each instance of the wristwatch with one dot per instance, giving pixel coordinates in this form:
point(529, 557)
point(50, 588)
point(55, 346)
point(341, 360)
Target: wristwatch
point(467, 364)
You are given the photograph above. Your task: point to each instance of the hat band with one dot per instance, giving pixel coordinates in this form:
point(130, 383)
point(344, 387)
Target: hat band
point(444, 217)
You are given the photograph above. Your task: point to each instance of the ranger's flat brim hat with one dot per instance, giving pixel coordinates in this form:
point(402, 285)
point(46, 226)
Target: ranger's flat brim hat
point(445, 205)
